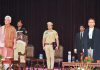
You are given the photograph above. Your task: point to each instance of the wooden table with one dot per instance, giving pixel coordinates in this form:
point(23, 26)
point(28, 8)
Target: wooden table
point(38, 61)
point(74, 64)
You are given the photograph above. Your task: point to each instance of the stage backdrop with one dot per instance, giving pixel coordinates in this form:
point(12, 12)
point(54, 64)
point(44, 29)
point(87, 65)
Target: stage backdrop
point(67, 16)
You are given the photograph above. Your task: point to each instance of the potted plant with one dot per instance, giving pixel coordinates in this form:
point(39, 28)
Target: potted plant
point(1, 65)
point(88, 59)
point(1, 57)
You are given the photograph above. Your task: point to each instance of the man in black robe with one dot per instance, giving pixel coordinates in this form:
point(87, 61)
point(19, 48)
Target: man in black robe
point(92, 40)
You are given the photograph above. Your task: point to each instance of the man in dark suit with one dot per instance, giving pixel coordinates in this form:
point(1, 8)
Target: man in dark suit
point(92, 39)
point(79, 42)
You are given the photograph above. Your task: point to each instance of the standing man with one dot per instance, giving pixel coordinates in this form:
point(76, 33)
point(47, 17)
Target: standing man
point(49, 37)
point(21, 40)
point(21, 43)
point(79, 46)
point(92, 39)
point(9, 32)
point(21, 29)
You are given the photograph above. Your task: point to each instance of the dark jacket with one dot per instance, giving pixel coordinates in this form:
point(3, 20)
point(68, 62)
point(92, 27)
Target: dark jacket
point(79, 45)
point(96, 45)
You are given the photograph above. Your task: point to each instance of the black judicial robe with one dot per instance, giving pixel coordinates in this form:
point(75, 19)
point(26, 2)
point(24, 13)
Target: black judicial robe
point(96, 45)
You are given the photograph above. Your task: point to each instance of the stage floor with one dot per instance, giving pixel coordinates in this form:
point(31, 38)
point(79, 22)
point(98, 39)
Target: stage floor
point(40, 68)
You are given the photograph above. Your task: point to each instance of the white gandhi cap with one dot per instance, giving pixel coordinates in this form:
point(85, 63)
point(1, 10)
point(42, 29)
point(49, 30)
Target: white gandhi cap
point(49, 23)
point(8, 17)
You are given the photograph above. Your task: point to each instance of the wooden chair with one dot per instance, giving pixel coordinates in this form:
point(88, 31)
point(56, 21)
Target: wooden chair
point(22, 60)
point(30, 51)
point(29, 55)
point(59, 55)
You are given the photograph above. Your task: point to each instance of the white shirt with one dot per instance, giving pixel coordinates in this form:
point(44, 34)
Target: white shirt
point(91, 33)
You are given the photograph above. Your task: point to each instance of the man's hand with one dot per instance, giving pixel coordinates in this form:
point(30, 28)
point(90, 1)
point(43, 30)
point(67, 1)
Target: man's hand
point(14, 47)
point(43, 48)
point(56, 48)
point(75, 51)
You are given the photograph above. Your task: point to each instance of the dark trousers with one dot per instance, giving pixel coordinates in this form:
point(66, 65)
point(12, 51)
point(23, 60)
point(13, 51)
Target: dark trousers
point(90, 43)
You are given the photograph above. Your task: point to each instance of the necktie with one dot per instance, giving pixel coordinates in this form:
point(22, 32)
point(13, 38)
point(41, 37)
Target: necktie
point(81, 36)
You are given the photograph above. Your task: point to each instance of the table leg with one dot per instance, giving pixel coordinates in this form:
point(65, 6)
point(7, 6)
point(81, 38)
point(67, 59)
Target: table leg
point(62, 67)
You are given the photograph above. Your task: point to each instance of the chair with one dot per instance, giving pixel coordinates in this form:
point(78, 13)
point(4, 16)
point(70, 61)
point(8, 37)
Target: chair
point(29, 54)
point(22, 60)
point(59, 55)
point(30, 51)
